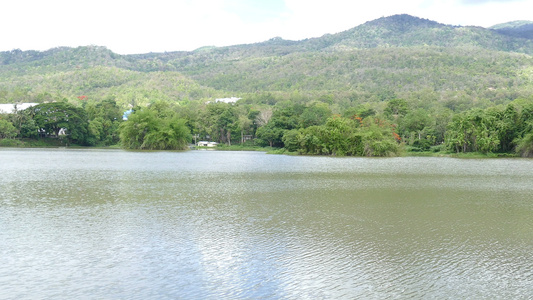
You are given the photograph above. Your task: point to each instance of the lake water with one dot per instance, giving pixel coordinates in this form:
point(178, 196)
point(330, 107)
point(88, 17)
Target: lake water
point(112, 224)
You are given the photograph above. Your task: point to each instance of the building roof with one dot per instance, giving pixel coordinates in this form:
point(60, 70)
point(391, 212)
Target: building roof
point(227, 100)
point(11, 108)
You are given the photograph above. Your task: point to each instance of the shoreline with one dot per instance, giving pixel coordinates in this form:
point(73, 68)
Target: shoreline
point(269, 150)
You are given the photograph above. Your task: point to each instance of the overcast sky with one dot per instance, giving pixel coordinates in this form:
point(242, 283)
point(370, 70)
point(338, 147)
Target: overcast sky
point(140, 26)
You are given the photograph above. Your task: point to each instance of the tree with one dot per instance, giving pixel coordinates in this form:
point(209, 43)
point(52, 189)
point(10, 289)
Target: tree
point(396, 108)
point(361, 111)
point(104, 119)
point(344, 136)
point(226, 123)
point(525, 145)
point(507, 126)
point(286, 115)
point(134, 130)
point(418, 127)
point(52, 117)
point(244, 124)
point(145, 129)
point(269, 134)
point(172, 134)
point(7, 130)
point(218, 121)
point(472, 131)
point(316, 114)
point(378, 138)
point(263, 117)
point(292, 140)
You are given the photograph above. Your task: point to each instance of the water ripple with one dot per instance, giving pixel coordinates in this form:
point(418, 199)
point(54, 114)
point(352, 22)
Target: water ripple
point(222, 225)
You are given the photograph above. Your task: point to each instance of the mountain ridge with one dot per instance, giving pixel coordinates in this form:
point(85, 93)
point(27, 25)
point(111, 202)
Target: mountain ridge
point(395, 56)
point(399, 23)
point(521, 29)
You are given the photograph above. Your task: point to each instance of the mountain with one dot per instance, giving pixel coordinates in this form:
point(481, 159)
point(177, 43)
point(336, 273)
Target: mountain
point(409, 31)
point(397, 56)
point(523, 29)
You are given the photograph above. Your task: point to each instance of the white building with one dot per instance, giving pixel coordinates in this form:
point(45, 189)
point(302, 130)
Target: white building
point(12, 108)
point(207, 144)
point(227, 100)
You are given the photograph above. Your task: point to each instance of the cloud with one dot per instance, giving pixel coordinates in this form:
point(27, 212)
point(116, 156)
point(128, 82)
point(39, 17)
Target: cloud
point(479, 2)
point(315, 18)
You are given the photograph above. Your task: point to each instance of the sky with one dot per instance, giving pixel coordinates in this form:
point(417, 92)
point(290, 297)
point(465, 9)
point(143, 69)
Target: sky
point(140, 26)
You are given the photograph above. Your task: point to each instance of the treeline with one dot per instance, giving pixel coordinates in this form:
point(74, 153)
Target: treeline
point(500, 129)
point(313, 128)
point(93, 124)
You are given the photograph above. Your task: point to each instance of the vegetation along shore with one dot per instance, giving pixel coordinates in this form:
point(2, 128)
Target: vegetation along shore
point(393, 86)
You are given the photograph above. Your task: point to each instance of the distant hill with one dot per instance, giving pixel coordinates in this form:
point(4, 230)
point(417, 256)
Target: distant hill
point(93, 71)
point(409, 31)
point(396, 56)
point(523, 29)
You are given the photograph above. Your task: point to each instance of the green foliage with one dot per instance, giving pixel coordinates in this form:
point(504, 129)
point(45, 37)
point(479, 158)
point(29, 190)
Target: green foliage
point(219, 120)
point(343, 136)
point(11, 143)
point(525, 145)
point(396, 108)
point(496, 129)
point(269, 135)
point(292, 139)
point(436, 85)
point(378, 138)
point(361, 111)
point(315, 114)
point(7, 130)
point(393, 57)
point(104, 119)
point(472, 131)
point(52, 117)
point(150, 129)
point(27, 126)
point(418, 129)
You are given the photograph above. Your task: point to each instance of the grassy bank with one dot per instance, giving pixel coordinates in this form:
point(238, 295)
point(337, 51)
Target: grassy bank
point(56, 143)
point(45, 143)
point(224, 147)
point(28, 143)
point(460, 155)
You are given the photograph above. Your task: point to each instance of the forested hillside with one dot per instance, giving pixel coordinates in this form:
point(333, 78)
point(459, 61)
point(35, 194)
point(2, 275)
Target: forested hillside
point(440, 69)
point(523, 29)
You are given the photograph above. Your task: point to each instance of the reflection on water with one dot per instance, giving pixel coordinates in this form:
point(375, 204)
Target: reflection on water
point(240, 225)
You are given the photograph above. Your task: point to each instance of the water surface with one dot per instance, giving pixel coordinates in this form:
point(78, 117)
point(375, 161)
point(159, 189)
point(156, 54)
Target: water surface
point(112, 224)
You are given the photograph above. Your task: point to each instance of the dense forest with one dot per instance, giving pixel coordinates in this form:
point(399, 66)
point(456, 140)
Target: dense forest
point(393, 84)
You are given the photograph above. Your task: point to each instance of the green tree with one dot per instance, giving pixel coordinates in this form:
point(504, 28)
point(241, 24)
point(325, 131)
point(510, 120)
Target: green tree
point(219, 121)
point(361, 111)
point(269, 134)
point(286, 115)
point(245, 125)
point(525, 145)
point(7, 130)
point(396, 108)
point(134, 130)
point(52, 117)
point(171, 134)
point(378, 138)
point(316, 114)
point(292, 140)
point(418, 126)
point(145, 129)
point(473, 131)
point(104, 119)
point(343, 136)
